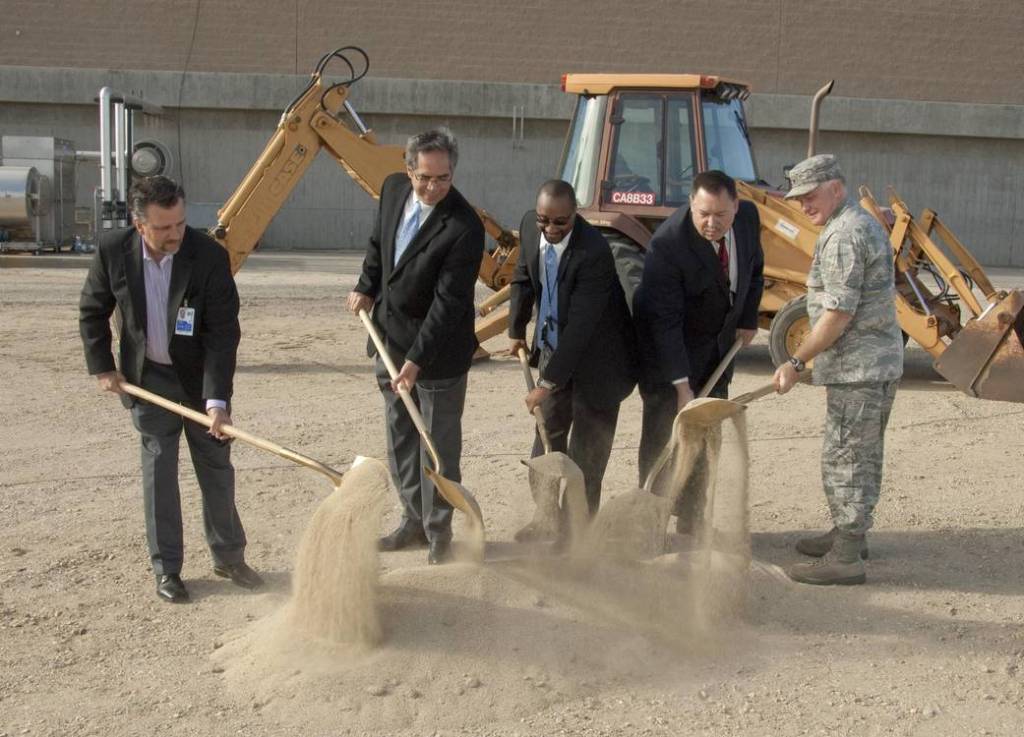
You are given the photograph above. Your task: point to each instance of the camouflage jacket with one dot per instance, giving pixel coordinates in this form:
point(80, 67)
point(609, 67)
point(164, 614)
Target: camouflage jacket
point(852, 271)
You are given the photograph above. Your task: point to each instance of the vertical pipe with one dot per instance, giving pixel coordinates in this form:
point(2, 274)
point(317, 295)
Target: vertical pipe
point(106, 172)
point(120, 210)
point(812, 140)
point(129, 145)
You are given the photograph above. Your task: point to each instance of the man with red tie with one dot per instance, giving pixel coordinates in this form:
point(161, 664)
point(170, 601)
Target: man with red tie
point(700, 291)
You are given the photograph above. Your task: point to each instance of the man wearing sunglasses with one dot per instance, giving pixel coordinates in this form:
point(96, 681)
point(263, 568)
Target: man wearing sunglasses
point(583, 340)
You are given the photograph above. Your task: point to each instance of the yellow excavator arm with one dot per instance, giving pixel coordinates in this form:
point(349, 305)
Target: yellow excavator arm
point(322, 117)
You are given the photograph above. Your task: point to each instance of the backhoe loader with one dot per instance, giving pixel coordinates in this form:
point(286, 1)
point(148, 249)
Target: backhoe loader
point(633, 145)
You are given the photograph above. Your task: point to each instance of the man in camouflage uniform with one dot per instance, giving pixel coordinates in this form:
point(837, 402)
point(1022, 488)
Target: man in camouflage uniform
point(857, 347)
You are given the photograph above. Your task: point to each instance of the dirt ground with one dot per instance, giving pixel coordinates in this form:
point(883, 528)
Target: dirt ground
point(932, 645)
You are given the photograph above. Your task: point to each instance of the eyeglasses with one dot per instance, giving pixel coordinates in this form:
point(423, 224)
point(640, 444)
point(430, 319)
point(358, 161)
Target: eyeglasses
point(544, 222)
point(427, 179)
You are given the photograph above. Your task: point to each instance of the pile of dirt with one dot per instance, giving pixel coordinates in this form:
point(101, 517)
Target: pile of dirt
point(632, 526)
point(461, 645)
point(464, 645)
point(335, 587)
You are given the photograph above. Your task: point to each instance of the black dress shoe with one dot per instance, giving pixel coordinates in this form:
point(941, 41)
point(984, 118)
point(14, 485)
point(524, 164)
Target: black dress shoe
point(406, 536)
point(170, 588)
point(440, 552)
point(240, 575)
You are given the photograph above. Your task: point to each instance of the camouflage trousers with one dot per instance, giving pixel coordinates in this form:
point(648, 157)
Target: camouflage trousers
point(851, 459)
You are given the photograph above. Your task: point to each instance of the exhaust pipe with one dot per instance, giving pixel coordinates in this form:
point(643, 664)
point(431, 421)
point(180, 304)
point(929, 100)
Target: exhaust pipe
point(819, 96)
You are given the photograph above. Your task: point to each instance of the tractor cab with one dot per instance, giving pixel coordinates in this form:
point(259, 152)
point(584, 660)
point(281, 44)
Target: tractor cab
point(636, 141)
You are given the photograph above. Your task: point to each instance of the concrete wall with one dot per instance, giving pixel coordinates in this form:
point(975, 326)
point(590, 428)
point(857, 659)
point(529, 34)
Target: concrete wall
point(964, 160)
point(946, 50)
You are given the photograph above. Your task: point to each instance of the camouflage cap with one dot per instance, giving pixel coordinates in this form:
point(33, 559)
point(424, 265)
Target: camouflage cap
point(809, 173)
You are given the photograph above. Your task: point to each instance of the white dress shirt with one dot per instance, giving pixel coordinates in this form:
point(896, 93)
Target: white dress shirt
point(157, 277)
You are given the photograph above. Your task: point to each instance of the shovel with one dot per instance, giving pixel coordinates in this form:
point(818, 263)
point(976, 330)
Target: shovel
point(524, 361)
point(454, 493)
point(547, 472)
point(233, 432)
point(711, 411)
point(699, 400)
point(720, 369)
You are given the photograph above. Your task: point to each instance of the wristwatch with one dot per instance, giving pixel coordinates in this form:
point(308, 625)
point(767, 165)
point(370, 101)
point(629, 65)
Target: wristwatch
point(545, 384)
point(797, 364)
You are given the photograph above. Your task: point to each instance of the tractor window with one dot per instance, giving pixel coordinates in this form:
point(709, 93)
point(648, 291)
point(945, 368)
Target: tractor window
point(579, 160)
point(680, 156)
point(634, 173)
point(725, 135)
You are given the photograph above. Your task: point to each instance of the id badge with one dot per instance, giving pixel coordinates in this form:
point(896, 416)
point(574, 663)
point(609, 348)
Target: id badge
point(186, 322)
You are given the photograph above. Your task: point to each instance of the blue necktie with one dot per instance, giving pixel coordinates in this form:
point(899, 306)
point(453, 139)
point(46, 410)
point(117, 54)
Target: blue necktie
point(547, 318)
point(407, 233)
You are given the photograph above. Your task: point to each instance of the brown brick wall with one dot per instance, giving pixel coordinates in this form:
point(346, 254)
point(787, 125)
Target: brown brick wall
point(966, 50)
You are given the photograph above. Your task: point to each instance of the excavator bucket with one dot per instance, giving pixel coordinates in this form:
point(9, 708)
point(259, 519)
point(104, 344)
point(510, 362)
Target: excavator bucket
point(986, 358)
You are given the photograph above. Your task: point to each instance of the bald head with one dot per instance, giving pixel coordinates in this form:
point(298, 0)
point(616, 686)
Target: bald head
point(556, 210)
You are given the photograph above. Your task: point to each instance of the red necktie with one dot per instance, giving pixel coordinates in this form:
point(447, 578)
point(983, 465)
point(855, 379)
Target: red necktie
point(723, 258)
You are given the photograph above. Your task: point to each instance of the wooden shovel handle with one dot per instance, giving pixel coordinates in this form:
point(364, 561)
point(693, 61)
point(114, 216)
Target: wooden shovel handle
point(524, 361)
point(720, 369)
point(765, 390)
point(231, 431)
point(410, 405)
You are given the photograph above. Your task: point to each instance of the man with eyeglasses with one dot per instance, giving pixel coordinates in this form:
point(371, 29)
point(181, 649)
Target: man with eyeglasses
point(418, 276)
point(583, 340)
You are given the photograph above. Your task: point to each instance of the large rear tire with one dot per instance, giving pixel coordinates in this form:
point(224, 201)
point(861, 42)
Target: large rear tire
point(788, 330)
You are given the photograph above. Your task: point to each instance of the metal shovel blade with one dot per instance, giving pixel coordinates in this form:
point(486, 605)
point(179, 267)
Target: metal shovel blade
point(550, 474)
point(709, 411)
point(457, 495)
point(986, 358)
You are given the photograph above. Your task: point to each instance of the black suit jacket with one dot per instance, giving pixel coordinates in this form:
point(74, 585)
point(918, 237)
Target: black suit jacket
point(423, 305)
point(596, 344)
point(200, 276)
point(684, 316)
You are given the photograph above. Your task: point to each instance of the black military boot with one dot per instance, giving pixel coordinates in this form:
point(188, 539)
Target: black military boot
point(843, 565)
point(818, 545)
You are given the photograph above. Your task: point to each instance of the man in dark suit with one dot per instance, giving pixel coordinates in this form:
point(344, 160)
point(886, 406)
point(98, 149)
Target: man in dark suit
point(700, 290)
point(178, 338)
point(583, 343)
point(418, 276)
